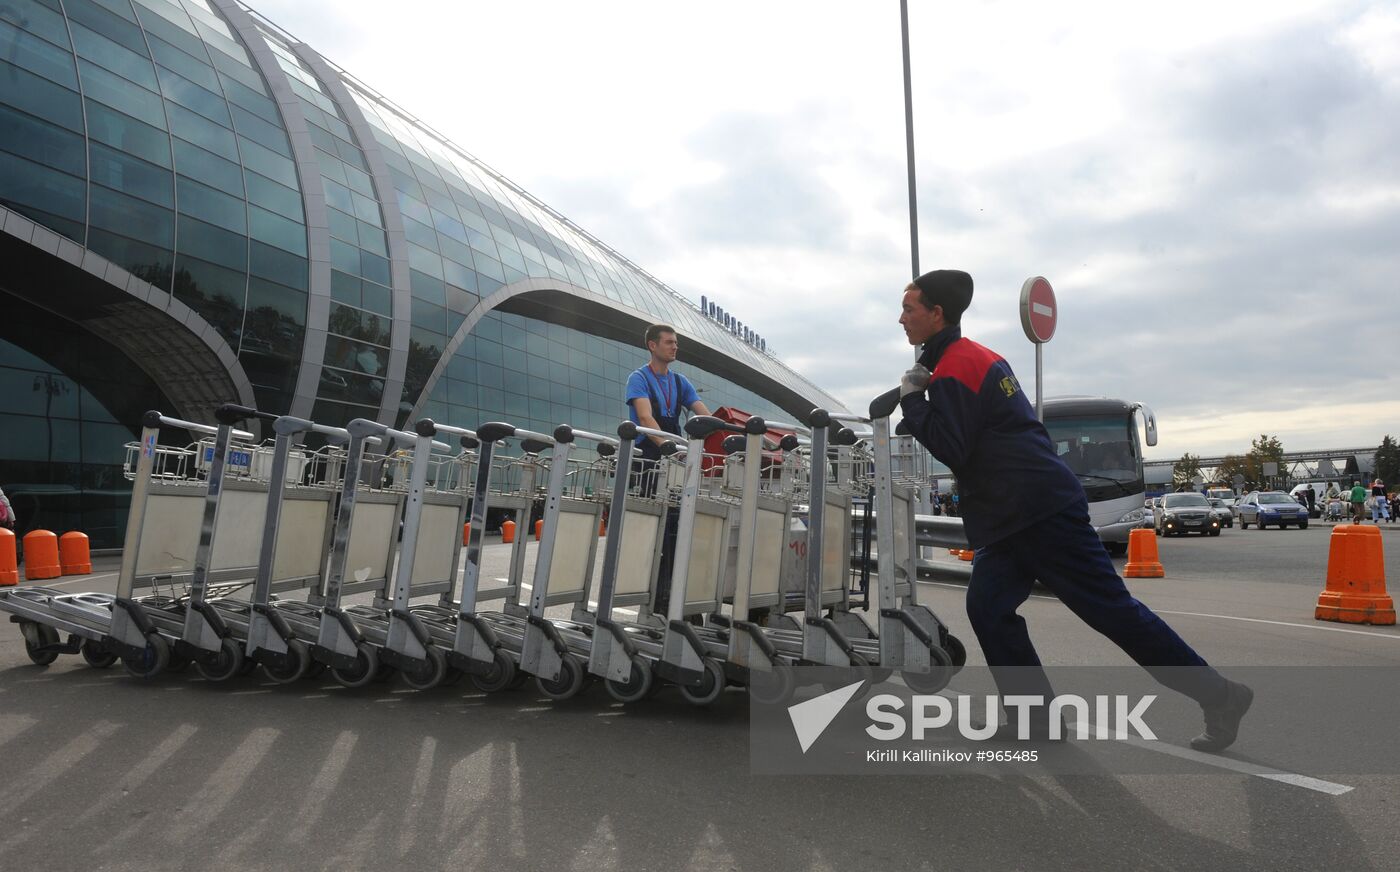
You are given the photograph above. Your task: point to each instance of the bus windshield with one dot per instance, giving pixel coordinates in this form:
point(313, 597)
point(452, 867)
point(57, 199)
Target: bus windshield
point(1102, 451)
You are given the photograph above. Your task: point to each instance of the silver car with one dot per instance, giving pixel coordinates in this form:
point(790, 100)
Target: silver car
point(1186, 513)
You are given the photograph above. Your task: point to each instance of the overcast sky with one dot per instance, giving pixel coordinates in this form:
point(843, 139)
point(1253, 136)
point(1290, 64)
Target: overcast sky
point(1213, 188)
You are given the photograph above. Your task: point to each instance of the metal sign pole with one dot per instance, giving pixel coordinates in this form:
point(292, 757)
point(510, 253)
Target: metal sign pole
point(1039, 383)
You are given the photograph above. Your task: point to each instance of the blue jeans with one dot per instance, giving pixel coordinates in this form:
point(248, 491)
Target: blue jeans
point(1064, 553)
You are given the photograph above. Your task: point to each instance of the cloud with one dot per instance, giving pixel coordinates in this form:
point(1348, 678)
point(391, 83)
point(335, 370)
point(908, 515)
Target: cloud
point(1213, 189)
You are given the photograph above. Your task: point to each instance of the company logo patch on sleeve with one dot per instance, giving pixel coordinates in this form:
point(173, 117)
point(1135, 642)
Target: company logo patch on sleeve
point(1010, 386)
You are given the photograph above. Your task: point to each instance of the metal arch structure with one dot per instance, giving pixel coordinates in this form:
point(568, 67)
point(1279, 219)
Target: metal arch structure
point(181, 352)
point(1299, 464)
point(565, 303)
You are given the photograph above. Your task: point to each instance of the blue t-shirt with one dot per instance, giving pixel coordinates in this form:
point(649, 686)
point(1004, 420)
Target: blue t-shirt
point(669, 394)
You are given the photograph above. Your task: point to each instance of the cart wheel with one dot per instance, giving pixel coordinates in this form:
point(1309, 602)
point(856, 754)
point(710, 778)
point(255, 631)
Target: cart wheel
point(96, 656)
point(151, 662)
point(940, 672)
point(364, 671)
point(433, 671)
point(43, 636)
point(296, 665)
point(569, 682)
point(638, 684)
point(228, 663)
point(709, 689)
point(956, 651)
point(774, 687)
point(248, 665)
point(503, 675)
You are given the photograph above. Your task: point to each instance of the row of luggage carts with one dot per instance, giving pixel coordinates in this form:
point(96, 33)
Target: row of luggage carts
point(348, 558)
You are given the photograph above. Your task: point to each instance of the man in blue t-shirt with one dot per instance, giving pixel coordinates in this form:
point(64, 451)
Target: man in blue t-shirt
point(655, 398)
point(655, 395)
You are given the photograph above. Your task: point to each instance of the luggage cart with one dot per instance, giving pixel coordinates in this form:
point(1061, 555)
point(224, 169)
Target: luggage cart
point(349, 639)
point(139, 630)
point(912, 639)
point(296, 537)
point(500, 649)
point(632, 656)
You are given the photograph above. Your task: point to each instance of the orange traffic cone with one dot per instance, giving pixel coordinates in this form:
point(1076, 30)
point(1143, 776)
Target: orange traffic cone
point(508, 531)
point(966, 555)
point(466, 534)
point(1142, 556)
point(74, 555)
point(539, 529)
point(1355, 592)
point(41, 555)
point(9, 568)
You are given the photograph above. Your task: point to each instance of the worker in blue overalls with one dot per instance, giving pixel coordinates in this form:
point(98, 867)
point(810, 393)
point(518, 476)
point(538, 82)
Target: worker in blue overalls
point(655, 398)
point(1026, 516)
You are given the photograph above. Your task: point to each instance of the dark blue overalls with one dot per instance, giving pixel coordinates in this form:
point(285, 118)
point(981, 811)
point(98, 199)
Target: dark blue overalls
point(1026, 515)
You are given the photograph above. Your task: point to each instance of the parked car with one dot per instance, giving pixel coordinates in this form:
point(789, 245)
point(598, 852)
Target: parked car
point(1270, 507)
point(1186, 513)
point(1223, 513)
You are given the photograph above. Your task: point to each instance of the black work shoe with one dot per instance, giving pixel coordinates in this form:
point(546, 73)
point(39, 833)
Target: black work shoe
point(1223, 721)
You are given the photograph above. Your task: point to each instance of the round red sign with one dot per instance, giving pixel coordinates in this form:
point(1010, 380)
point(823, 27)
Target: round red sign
point(1039, 312)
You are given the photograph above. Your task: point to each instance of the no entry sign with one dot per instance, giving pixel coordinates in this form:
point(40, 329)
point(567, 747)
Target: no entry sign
point(1039, 312)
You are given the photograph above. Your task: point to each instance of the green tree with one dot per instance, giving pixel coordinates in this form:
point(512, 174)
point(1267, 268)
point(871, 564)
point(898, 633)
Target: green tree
point(1265, 449)
point(1232, 465)
point(1388, 462)
point(1186, 469)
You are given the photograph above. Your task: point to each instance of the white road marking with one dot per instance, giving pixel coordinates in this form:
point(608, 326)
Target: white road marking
point(1395, 636)
point(1328, 787)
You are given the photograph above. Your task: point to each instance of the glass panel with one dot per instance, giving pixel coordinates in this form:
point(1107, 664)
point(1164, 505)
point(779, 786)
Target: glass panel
point(212, 170)
point(135, 66)
point(172, 58)
point(31, 53)
point(281, 232)
point(103, 22)
point(213, 206)
point(273, 263)
point(278, 198)
point(260, 131)
point(216, 293)
point(181, 90)
point(118, 212)
point(144, 261)
point(39, 19)
point(377, 298)
point(213, 244)
point(268, 162)
point(121, 94)
point(356, 356)
point(40, 97)
point(45, 143)
point(342, 226)
point(125, 173)
point(374, 267)
point(241, 95)
point(25, 182)
point(204, 133)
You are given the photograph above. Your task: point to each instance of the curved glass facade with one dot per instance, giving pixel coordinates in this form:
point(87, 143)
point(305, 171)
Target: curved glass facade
point(335, 257)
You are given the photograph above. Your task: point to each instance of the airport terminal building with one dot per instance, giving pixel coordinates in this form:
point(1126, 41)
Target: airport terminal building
point(196, 208)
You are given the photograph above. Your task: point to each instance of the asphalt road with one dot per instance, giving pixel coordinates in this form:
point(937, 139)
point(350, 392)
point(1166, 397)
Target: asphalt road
point(101, 771)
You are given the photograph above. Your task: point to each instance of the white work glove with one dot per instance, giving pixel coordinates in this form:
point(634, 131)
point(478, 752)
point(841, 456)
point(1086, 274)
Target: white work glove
point(914, 381)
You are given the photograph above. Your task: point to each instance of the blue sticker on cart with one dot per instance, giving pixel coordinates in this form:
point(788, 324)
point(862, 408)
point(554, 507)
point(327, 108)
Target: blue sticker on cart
point(150, 447)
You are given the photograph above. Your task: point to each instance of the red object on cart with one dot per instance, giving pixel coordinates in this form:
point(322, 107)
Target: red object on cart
point(714, 443)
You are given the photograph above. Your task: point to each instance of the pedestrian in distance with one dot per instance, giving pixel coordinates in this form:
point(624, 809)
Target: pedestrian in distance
point(962, 402)
point(1380, 501)
point(1358, 502)
point(7, 512)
